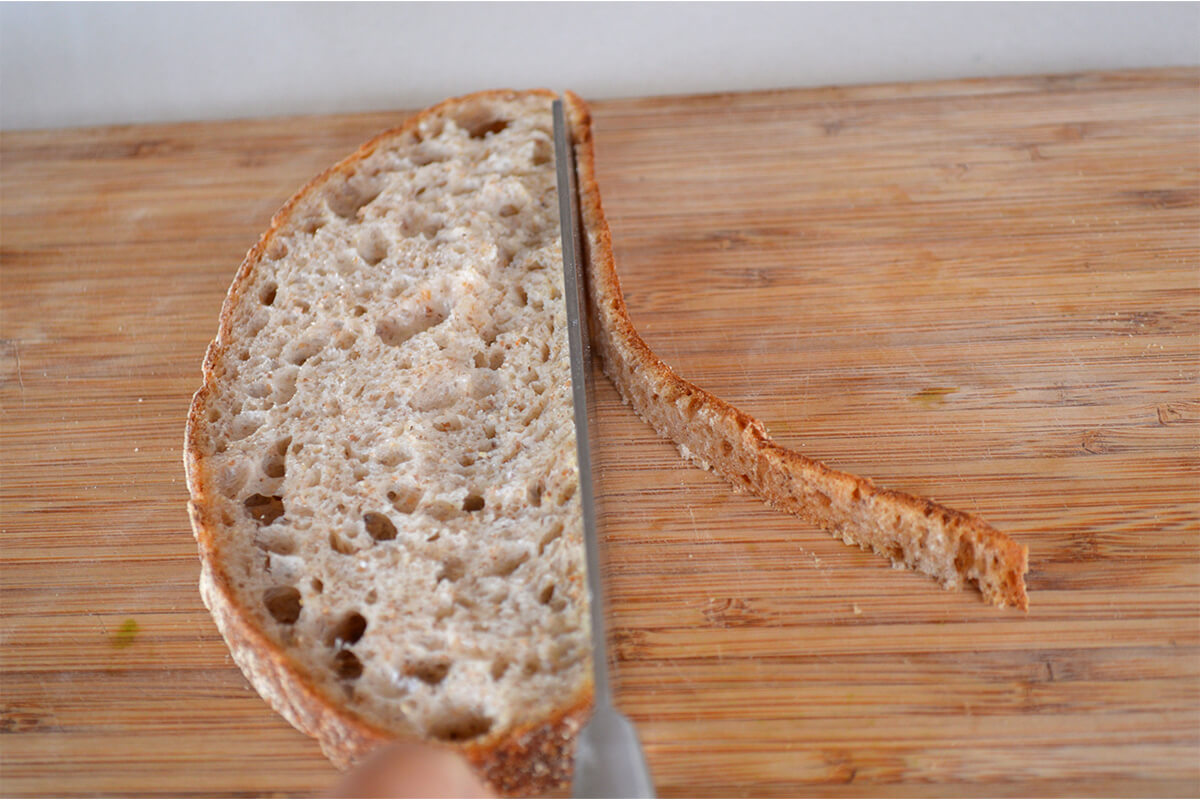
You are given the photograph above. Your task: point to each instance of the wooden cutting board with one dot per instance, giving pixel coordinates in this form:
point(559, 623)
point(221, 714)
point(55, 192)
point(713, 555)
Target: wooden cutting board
point(986, 291)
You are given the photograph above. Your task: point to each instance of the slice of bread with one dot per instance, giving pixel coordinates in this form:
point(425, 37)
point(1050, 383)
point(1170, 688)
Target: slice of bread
point(381, 458)
point(950, 546)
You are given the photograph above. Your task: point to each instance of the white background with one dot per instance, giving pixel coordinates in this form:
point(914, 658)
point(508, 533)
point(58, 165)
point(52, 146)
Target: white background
point(68, 65)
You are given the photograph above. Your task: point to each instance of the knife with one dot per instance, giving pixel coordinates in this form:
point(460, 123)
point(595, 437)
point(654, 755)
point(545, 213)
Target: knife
point(608, 756)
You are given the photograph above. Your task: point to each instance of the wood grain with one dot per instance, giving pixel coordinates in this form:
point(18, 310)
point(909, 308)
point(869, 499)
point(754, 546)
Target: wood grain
point(985, 291)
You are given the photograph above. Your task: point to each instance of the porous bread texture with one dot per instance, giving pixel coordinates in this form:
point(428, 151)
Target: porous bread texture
point(954, 548)
point(382, 456)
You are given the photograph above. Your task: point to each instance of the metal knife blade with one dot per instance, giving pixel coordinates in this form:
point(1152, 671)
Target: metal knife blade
point(608, 757)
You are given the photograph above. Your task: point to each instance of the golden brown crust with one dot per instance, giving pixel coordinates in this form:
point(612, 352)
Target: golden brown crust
point(954, 547)
point(531, 760)
point(506, 764)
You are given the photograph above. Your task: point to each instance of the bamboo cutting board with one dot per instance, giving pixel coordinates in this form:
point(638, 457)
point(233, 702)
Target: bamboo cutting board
point(986, 291)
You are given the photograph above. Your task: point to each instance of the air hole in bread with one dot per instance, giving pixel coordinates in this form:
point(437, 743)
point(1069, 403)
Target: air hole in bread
point(452, 570)
point(380, 528)
point(284, 382)
point(348, 631)
point(965, 555)
point(259, 389)
point(274, 465)
point(461, 726)
point(311, 223)
point(556, 530)
point(347, 666)
point(533, 413)
point(509, 210)
point(467, 460)
point(214, 414)
point(480, 120)
point(396, 330)
point(245, 424)
point(347, 198)
point(257, 322)
point(442, 511)
point(496, 359)
point(542, 153)
point(372, 246)
point(393, 456)
point(484, 383)
point(473, 502)
point(499, 667)
point(405, 500)
point(430, 673)
point(534, 494)
point(281, 545)
point(547, 594)
point(567, 494)
point(340, 545)
point(358, 311)
point(318, 585)
point(277, 249)
point(266, 295)
point(448, 423)
point(507, 566)
point(299, 352)
point(431, 128)
point(372, 598)
point(726, 448)
point(428, 153)
point(545, 353)
point(427, 226)
point(397, 287)
point(345, 340)
point(264, 510)
point(283, 604)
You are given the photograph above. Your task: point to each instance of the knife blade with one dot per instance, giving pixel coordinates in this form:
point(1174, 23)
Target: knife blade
point(608, 755)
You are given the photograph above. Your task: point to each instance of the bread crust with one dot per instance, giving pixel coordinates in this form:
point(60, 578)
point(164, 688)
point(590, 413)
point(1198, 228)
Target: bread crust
point(533, 759)
point(950, 546)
